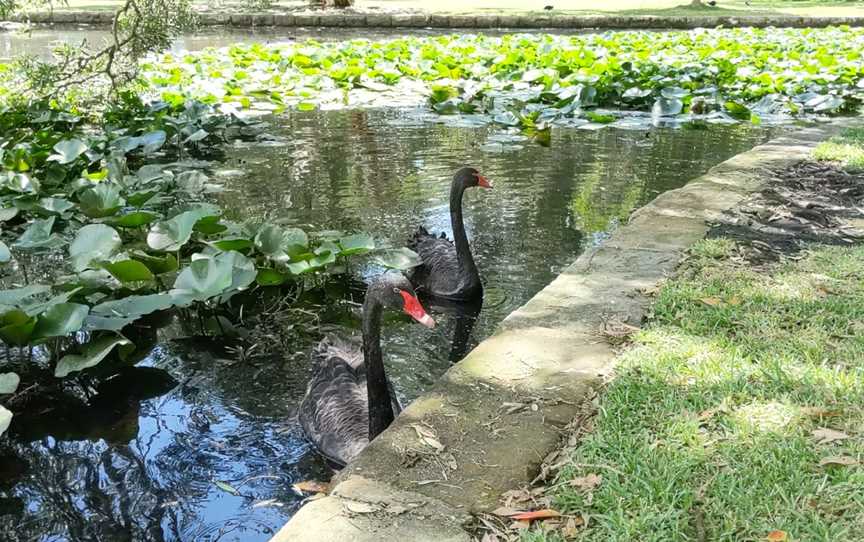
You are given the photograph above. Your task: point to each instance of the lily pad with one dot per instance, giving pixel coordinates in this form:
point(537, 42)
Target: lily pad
point(129, 271)
point(38, 236)
point(100, 201)
point(93, 353)
point(280, 245)
point(135, 219)
point(360, 243)
point(208, 277)
point(5, 254)
point(9, 383)
point(5, 419)
point(93, 243)
point(68, 150)
point(170, 235)
point(60, 320)
point(398, 258)
point(16, 327)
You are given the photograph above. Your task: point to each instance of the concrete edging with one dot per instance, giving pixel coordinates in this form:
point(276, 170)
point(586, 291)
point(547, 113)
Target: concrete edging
point(547, 356)
point(420, 20)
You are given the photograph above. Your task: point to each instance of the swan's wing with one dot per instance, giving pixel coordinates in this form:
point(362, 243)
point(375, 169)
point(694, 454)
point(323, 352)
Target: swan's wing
point(334, 413)
point(440, 263)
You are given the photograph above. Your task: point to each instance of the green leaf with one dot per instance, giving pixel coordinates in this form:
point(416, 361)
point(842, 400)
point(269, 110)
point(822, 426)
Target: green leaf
point(94, 242)
point(271, 277)
point(9, 383)
point(68, 151)
point(129, 271)
point(93, 353)
point(170, 235)
point(5, 254)
point(737, 111)
point(15, 296)
point(208, 276)
point(16, 327)
point(117, 314)
point(360, 243)
point(151, 141)
point(398, 258)
point(60, 320)
point(306, 106)
point(598, 118)
point(8, 213)
point(100, 201)
point(163, 263)
point(281, 245)
point(232, 243)
point(5, 419)
point(38, 236)
point(134, 219)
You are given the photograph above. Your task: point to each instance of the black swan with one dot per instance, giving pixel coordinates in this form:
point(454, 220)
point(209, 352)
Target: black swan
point(349, 401)
point(448, 270)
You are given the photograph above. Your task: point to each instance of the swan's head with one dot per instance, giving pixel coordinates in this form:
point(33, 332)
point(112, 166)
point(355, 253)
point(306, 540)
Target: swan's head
point(395, 292)
point(470, 177)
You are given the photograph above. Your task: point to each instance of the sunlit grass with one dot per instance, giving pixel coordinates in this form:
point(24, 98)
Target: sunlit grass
point(708, 428)
point(846, 148)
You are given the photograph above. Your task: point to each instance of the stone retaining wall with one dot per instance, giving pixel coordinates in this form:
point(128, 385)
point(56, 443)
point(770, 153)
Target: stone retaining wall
point(499, 412)
point(368, 20)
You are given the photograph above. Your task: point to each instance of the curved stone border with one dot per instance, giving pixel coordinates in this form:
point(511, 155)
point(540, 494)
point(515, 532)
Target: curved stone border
point(499, 412)
point(364, 20)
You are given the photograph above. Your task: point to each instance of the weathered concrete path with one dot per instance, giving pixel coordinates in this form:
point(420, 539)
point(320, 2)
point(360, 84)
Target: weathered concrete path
point(487, 425)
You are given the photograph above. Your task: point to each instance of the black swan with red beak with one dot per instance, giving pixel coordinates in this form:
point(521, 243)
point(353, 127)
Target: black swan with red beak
point(349, 400)
point(448, 270)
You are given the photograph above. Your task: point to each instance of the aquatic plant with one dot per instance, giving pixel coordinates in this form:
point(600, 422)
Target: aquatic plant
point(100, 229)
point(720, 75)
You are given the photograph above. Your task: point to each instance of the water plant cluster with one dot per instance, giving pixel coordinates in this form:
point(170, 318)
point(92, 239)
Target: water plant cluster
point(531, 80)
point(104, 225)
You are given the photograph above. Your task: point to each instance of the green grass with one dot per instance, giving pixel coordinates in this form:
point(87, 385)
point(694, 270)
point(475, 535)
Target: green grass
point(846, 148)
point(707, 431)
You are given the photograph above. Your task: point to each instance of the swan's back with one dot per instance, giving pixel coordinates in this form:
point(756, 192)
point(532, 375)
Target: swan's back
point(335, 411)
point(440, 275)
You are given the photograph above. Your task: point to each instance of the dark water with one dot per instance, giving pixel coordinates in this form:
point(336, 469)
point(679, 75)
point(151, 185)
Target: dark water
point(214, 458)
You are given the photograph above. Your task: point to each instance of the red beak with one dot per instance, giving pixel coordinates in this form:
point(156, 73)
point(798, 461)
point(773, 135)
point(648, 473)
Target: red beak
point(414, 309)
point(483, 182)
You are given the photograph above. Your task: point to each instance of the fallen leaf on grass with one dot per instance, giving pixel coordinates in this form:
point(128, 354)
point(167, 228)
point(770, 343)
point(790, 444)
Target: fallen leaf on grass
point(571, 529)
point(777, 536)
point(819, 412)
point(311, 486)
point(827, 436)
point(734, 300)
point(712, 301)
point(587, 483)
point(535, 515)
point(843, 460)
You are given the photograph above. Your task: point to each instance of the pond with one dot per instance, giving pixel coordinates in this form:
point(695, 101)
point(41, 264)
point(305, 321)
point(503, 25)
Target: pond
point(213, 458)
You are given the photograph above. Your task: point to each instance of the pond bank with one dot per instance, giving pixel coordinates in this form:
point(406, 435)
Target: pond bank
point(488, 424)
point(412, 20)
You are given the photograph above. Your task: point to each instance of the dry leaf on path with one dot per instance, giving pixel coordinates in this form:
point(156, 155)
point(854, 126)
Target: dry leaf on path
point(571, 528)
point(588, 482)
point(520, 525)
point(490, 537)
point(826, 436)
point(506, 512)
point(777, 536)
point(427, 436)
point(843, 460)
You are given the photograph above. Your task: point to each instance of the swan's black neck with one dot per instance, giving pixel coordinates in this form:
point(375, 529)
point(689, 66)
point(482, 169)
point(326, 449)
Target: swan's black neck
point(380, 406)
point(467, 268)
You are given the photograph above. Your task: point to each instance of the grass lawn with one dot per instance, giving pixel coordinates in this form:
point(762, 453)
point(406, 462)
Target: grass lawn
point(847, 148)
point(739, 413)
point(569, 7)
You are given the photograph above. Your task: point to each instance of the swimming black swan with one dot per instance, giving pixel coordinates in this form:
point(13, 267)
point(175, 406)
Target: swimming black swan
point(349, 401)
point(448, 270)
